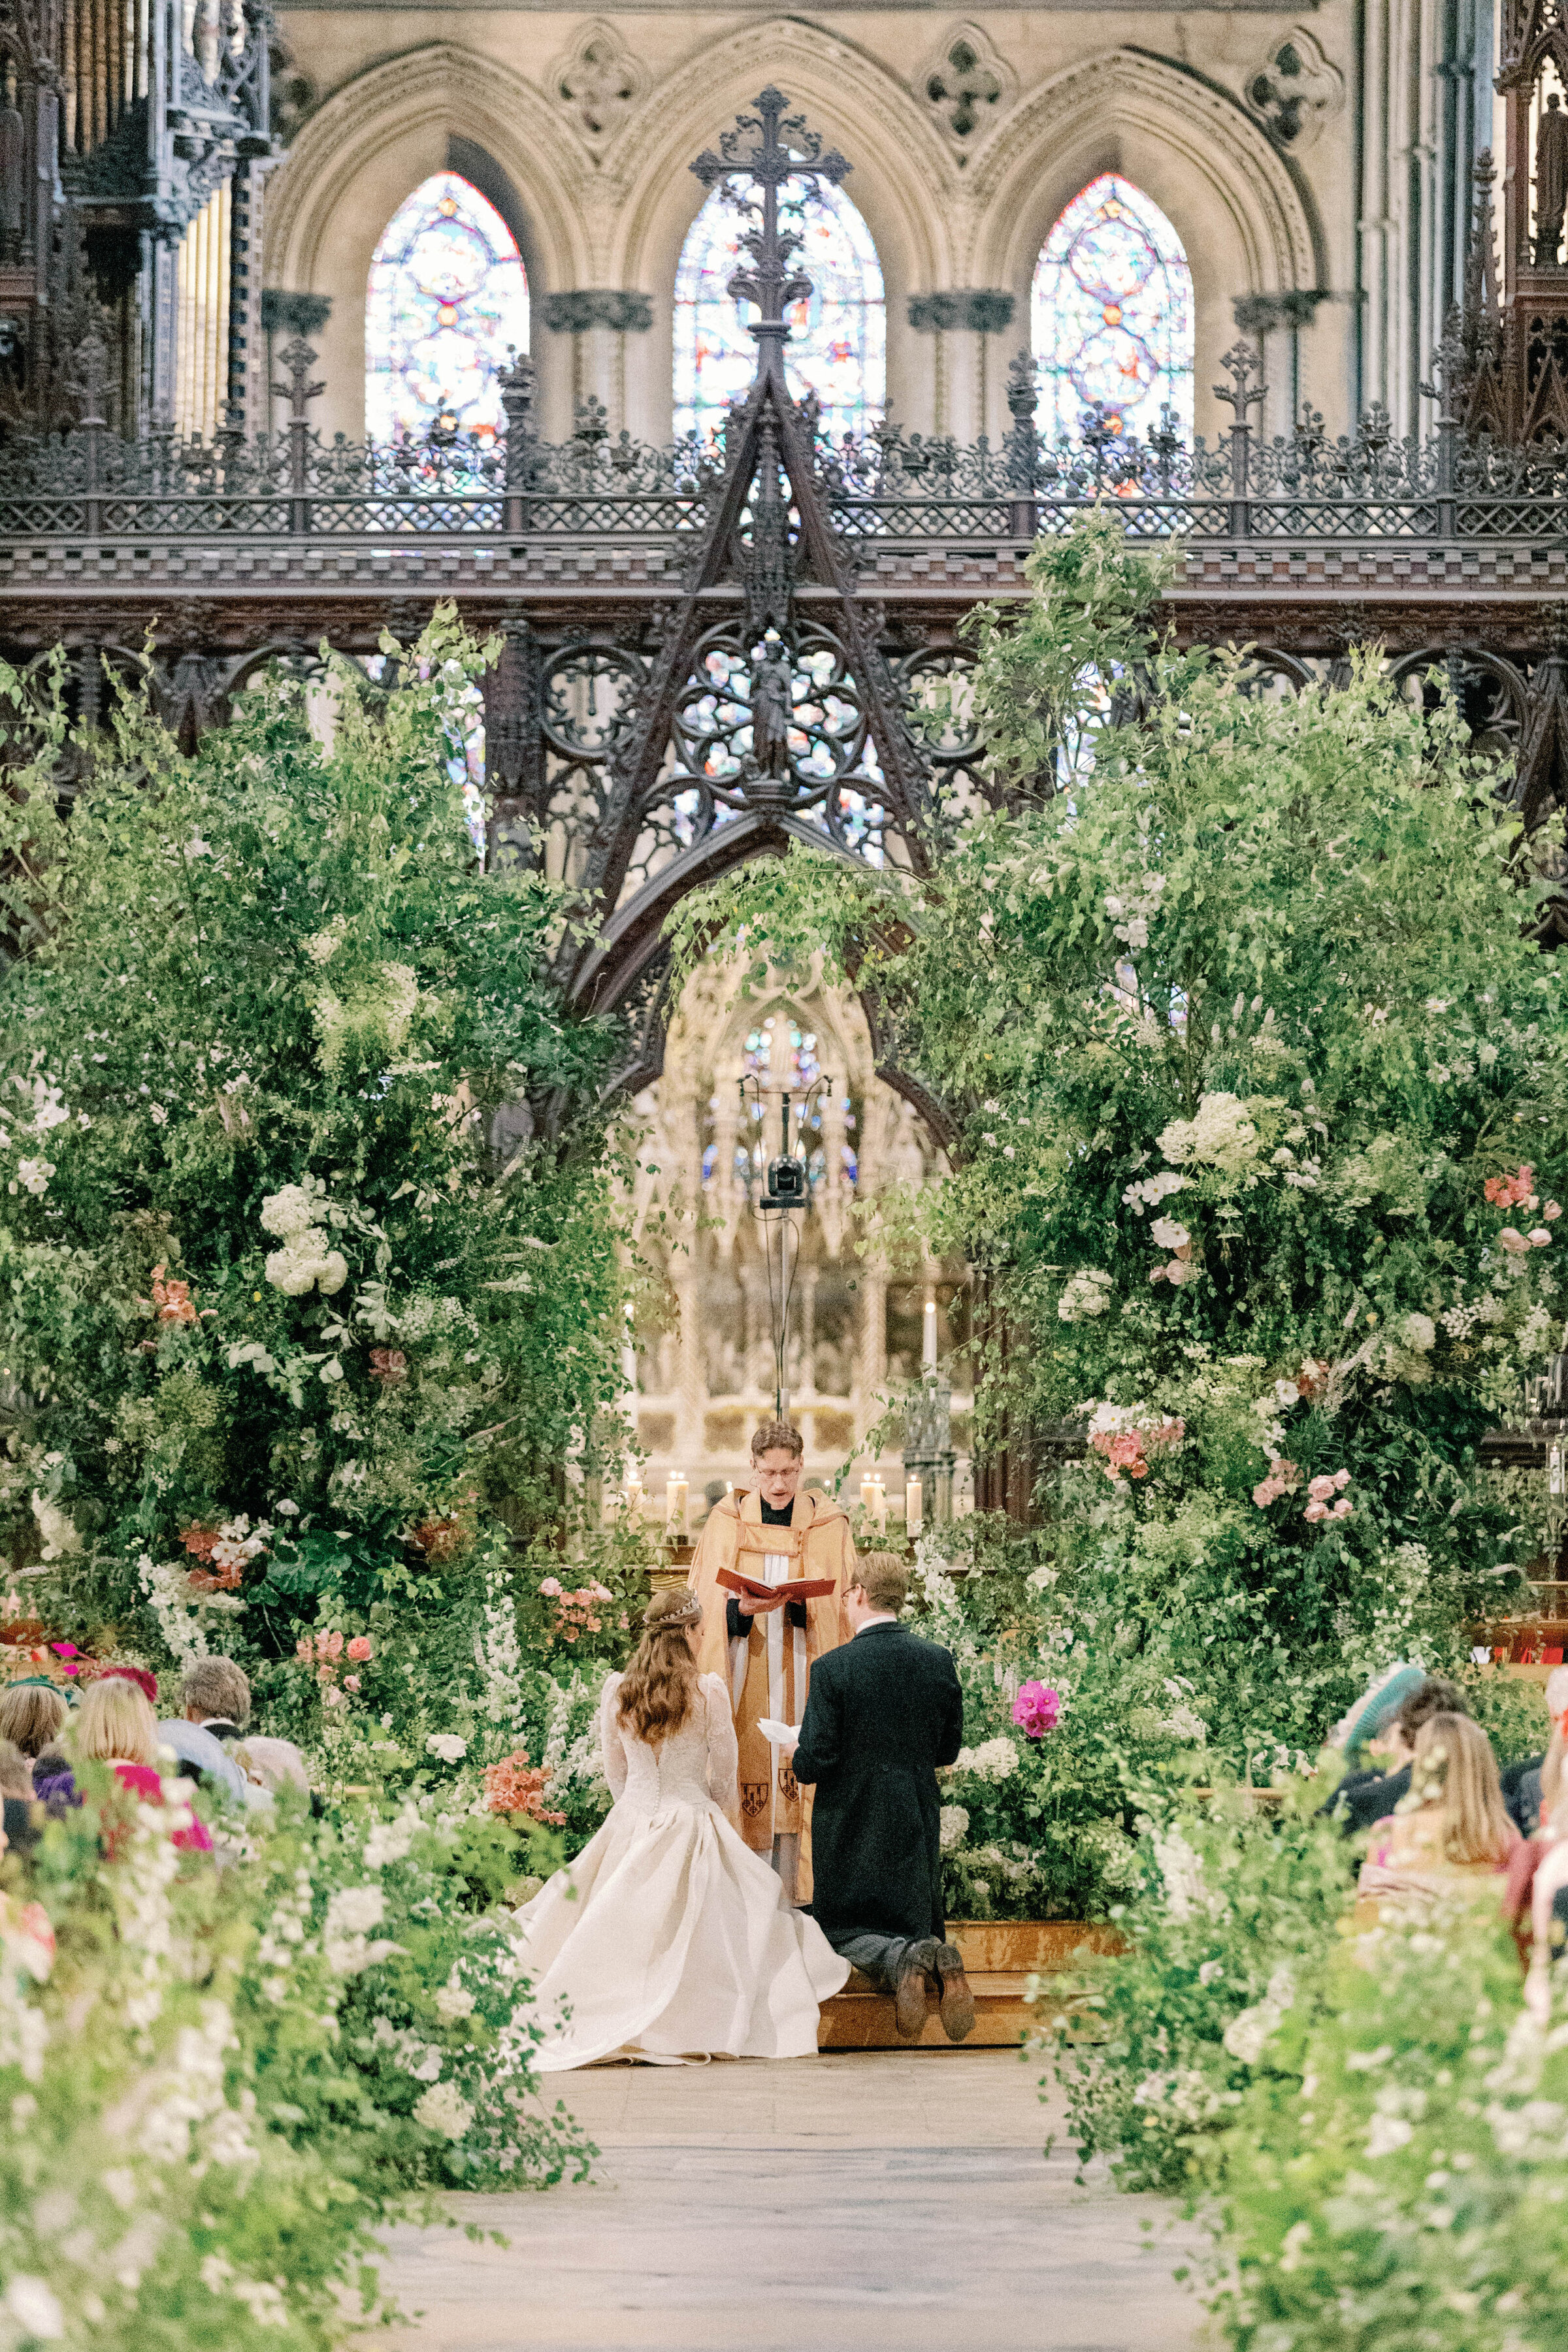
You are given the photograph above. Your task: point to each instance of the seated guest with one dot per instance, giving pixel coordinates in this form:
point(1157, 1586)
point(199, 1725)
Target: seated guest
point(1546, 1938)
point(32, 1714)
point(1538, 1843)
point(1365, 1796)
point(115, 1725)
point(215, 1697)
point(883, 1712)
point(1454, 1838)
point(24, 1816)
point(1522, 1783)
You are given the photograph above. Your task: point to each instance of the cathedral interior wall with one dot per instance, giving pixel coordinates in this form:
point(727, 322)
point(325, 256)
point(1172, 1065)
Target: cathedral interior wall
point(593, 122)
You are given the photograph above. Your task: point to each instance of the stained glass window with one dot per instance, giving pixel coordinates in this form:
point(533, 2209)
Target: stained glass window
point(1112, 314)
point(838, 345)
point(448, 295)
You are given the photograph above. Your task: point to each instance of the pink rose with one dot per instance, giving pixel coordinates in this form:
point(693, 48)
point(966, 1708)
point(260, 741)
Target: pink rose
point(360, 1646)
point(1341, 1509)
point(1342, 1479)
point(1321, 1489)
point(1539, 1237)
point(1037, 1709)
point(334, 1645)
point(1316, 1511)
point(302, 1648)
point(1512, 1239)
point(351, 1681)
point(1553, 1211)
point(552, 1587)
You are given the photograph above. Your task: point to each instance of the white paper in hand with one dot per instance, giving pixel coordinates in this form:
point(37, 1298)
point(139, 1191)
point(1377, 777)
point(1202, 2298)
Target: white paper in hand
point(771, 1728)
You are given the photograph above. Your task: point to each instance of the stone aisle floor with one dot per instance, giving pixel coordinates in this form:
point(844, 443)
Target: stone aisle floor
point(857, 2202)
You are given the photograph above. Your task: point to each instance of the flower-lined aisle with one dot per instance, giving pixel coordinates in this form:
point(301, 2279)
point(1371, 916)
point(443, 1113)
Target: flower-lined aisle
point(1258, 1083)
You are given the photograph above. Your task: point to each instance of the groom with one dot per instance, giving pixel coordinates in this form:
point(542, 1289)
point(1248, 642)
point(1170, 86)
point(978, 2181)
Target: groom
point(884, 1712)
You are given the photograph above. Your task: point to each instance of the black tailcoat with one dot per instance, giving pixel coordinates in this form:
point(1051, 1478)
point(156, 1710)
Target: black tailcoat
point(884, 1711)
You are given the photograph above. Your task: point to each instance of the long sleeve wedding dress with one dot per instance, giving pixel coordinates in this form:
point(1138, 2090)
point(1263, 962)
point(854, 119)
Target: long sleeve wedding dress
point(667, 1938)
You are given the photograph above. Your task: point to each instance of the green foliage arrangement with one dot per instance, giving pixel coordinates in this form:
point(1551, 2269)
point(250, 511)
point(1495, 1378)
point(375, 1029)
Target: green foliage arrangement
point(1262, 1099)
point(310, 1271)
point(217, 2084)
point(1230, 1913)
point(1394, 2175)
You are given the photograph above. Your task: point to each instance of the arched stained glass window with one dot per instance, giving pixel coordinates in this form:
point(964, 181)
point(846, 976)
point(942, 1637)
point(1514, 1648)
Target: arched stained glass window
point(447, 296)
point(839, 336)
point(1112, 314)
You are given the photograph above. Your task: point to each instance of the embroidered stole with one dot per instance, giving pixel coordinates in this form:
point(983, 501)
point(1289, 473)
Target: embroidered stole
point(768, 1676)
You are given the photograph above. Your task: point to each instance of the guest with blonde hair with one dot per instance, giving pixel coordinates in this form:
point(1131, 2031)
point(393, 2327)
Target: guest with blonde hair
point(115, 1725)
point(32, 1714)
point(1452, 1837)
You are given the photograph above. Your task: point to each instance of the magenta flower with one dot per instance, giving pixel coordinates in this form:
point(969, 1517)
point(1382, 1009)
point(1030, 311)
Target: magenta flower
point(1036, 1710)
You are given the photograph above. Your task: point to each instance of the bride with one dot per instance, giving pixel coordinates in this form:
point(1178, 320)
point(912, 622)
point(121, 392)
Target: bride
point(668, 1937)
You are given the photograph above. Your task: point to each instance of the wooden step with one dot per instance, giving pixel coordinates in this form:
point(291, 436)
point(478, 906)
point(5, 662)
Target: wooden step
point(1000, 1957)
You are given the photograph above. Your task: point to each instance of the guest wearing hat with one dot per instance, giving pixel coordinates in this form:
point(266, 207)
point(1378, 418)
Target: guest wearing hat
point(1383, 1725)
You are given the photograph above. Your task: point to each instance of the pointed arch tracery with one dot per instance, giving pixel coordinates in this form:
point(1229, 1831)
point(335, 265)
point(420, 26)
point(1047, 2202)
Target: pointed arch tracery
point(447, 297)
point(839, 330)
point(1111, 314)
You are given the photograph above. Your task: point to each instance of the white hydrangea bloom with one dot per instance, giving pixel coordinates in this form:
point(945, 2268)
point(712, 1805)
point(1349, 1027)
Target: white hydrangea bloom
point(1085, 1294)
point(447, 1745)
point(442, 2110)
point(1222, 1134)
point(289, 1211)
point(954, 1827)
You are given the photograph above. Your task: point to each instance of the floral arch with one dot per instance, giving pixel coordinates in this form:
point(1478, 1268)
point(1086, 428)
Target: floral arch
point(448, 295)
point(839, 335)
point(1111, 314)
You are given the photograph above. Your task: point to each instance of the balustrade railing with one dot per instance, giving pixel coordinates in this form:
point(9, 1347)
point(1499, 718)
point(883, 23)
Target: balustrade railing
point(890, 485)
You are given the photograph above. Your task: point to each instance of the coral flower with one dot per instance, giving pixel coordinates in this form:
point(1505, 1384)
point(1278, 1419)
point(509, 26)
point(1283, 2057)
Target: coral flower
point(360, 1646)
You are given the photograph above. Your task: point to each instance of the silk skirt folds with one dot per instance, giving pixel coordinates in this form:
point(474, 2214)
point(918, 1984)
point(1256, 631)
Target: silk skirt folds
point(668, 1937)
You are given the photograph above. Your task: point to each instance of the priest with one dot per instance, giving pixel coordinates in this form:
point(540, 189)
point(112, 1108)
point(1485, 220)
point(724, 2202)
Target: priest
point(777, 1535)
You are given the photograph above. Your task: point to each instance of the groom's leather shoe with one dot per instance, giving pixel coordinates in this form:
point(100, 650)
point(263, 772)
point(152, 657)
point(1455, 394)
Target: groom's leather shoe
point(911, 1988)
point(956, 2005)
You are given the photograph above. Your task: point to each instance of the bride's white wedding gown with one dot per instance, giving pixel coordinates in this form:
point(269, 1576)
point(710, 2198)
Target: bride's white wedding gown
point(667, 1937)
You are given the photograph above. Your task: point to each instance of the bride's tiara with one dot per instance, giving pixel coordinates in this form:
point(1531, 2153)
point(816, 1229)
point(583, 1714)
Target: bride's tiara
point(690, 1611)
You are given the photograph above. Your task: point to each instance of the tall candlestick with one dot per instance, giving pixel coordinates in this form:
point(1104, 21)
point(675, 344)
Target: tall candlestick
point(878, 1503)
point(634, 1499)
point(928, 1339)
point(914, 1512)
point(675, 1506)
point(868, 1491)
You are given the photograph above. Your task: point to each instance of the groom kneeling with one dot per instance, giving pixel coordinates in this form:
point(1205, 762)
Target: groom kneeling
point(884, 1711)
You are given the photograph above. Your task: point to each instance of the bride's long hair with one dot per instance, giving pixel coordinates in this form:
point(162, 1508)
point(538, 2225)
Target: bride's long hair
point(659, 1686)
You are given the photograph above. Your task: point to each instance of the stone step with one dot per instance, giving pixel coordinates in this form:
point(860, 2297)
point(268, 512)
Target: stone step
point(1000, 1956)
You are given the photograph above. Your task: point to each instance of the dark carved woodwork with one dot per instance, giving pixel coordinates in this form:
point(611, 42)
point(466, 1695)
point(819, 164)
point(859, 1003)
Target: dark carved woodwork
point(105, 157)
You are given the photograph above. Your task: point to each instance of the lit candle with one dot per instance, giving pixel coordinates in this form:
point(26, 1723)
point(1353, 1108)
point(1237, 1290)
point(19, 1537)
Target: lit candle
point(878, 1503)
point(913, 1506)
point(928, 1341)
point(868, 1491)
point(675, 1504)
point(634, 1499)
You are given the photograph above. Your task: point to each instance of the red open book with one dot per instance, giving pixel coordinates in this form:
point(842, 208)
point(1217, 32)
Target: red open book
point(799, 1588)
